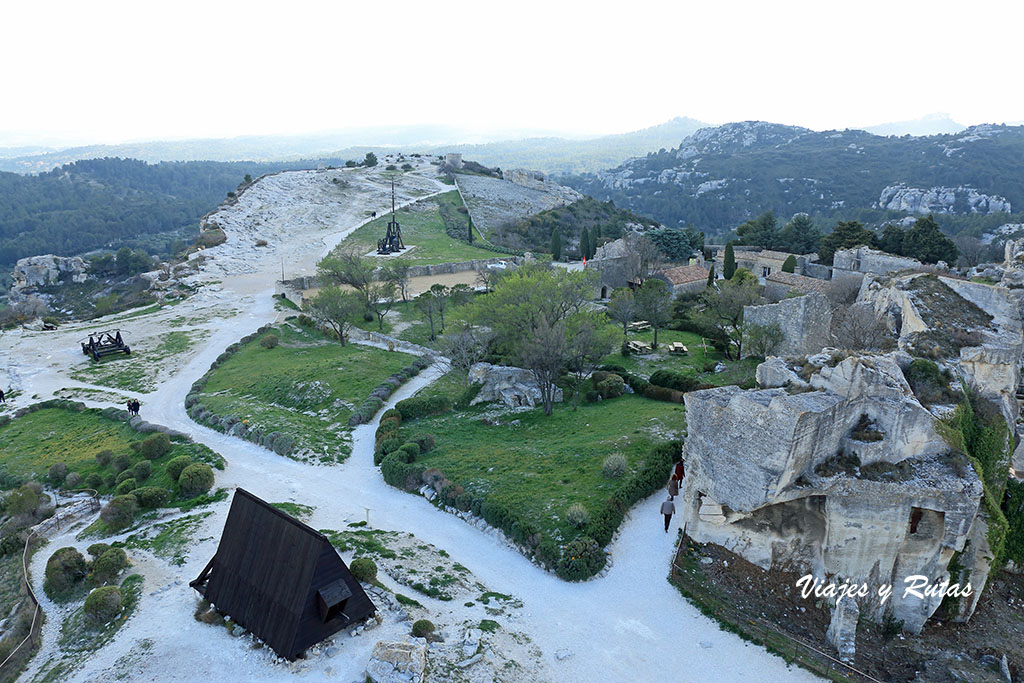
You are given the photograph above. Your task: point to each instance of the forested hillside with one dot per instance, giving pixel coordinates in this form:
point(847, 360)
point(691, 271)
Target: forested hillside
point(109, 202)
point(720, 177)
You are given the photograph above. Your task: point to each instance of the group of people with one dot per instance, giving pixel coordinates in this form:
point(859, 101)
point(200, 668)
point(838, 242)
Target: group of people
point(668, 508)
point(133, 406)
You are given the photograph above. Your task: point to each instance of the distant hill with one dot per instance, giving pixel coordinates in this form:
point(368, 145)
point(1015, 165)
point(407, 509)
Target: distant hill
point(720, 177)
point(518, 148)
point(98, 203)
point(932, 124)
point(563, 156)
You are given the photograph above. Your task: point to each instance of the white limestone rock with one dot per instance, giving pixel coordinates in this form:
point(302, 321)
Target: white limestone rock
point(514, 387)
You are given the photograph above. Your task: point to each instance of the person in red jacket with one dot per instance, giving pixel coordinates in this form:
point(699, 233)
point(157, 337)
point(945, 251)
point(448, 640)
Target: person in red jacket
point(680, 471)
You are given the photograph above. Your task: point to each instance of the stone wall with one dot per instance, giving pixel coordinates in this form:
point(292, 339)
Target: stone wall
point(867, 260)
point(805, 322)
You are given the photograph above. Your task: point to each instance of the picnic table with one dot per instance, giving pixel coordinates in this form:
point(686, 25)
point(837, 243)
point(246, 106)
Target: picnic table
point(677, 347)
point(639, 326)
point(638, 347)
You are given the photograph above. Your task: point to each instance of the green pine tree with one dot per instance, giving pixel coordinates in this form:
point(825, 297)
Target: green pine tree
point(556, 245)
point(729, 262)
point(711, 276)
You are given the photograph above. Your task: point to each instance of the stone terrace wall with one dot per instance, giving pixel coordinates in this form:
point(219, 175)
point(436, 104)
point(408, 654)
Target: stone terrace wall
point(805, 322)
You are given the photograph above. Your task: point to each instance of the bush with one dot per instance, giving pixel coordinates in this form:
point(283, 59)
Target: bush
point(127, 474)
point(283, 445)
point(674, 380)
point(94, 481)
point(400, 474)
point(386, 447)
point(364, 569)
point(195, 479)
point(104, 457)
point(119, 512)
point(612, 386)
point(155, 446)
point(269, 341)
point(176, 465)
point(121, 462)
point(412, 449)
point(152, 496)
point(614, 466)
point(73, 480)
point(22, 501)
point(577, 515)
point(424, 441)
point(592, 396)
point(103, 604)
point(663, 394)
point(96, 550)
point(142, 470)
point(929, 383)
point(417, 406)
point(106, 568)
point(391, 413)
point(581, 559)
point(109, 481)
point(56, 473)
point(422, 628)
point(126, 486)
point(65, 568)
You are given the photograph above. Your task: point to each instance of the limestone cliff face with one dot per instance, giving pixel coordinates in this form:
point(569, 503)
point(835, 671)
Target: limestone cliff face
point(39, 271)
point(960, 199)
point(847, 480)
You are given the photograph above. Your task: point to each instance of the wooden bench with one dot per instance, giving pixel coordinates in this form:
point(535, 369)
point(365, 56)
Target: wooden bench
point(638, 347)
point(639, 326)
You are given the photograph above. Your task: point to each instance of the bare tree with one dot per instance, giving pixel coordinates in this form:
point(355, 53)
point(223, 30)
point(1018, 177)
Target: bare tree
point(397, 272)
point(588, 341)
point(858, 328)
point(642, 258)
point(466, 347)
point(761, 340)
point(348, 267)
point(426, 303)
point(622, 308)
point(544, 355)
point(971, 249)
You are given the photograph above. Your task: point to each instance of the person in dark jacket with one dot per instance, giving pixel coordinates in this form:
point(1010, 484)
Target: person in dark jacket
point(668, 508)
point(2, 399)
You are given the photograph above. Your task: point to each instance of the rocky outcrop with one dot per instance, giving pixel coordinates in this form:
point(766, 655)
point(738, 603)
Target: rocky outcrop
point(805, 322)
point(846, 479)
point(39, 271)
point(842, 631)
point(397, 662)
point(961, 199)
point(514, 387)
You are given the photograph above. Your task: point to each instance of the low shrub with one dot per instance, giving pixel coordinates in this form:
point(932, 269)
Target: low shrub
point(127, 474)
point(176, 465)
point(142, 470)
point(121, 462)
point(195, 479)
point(386, 447)
point(65, 568)
point(73, 480)
point(657, 393)
point(104, 457)
point(155, 446)
point(577, 515)
point(674, 380)
point(150, 497)
point(269, 341)
point(106, 568)
point(126, 486)
point(581, 559)
point(612, 386)
point(364, 569)
point(109, 481)
point(103, 604)
point(592, 396)
point(22, 501)
point(94, 481)
point(56, 473)
point(119, 512)
point(412, 449)
point(424, 441)
point(421, 628)
point(401, 474)
point(96, 550)
point(418, 406)
point(283, 445)
point(614, 466)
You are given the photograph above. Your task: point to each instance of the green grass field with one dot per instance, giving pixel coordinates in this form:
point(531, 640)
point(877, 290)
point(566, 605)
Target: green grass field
point(30, 444)
point(140, 370)
point(422, 227)
point(306, 387)
point(540, 465)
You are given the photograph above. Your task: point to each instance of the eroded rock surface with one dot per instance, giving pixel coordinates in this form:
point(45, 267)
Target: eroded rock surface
point(515, 387)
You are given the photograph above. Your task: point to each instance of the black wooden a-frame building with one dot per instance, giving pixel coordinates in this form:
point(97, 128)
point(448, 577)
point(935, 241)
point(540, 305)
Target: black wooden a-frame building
point(280, 579)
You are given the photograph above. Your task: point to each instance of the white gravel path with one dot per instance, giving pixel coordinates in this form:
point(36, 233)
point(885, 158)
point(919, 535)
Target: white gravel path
point(629, 625)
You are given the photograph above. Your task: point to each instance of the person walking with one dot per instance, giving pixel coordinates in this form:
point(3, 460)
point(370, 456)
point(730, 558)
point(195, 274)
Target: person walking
point(131, 407)
point(2, 399)
point(680, 471)
point(673, 486)
point(136, 406)
point(668, 508)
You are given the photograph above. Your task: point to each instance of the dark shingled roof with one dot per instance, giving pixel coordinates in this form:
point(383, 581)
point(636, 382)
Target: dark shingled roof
point(280, 579)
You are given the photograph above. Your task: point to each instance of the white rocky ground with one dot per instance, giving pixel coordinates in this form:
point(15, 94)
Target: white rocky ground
point(628, 625)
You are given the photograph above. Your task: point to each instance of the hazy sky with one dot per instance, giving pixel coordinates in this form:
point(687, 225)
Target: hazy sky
point(115, 71)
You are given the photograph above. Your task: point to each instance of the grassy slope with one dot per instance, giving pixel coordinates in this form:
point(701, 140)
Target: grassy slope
point(138, 371)
point(306, 387)
point(423, 228)
point(545, 464)
point(33, 442)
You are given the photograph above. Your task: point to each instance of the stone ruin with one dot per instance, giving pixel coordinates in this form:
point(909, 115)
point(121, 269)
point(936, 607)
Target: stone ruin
point(514, 387)
point(834, 468)
point(805, 322)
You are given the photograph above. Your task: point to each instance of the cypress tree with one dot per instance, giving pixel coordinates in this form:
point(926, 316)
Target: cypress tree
point(729, 262)
point(556, 245)
point(711, 276)
point(789, 265)
point(584, 243)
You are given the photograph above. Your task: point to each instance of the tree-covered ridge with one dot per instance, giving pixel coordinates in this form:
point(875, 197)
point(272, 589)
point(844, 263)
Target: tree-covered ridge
point(720, 177)
point(107, 202)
